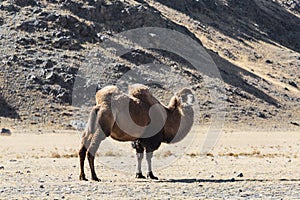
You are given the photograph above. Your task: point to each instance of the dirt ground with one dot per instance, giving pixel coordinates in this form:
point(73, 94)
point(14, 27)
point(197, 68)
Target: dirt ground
point(242, 165)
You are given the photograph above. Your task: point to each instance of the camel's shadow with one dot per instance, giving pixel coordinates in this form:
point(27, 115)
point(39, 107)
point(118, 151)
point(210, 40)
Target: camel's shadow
point(194, 180)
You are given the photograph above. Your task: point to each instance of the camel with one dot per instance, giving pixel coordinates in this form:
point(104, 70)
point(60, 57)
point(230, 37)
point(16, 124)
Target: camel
point(137, 117)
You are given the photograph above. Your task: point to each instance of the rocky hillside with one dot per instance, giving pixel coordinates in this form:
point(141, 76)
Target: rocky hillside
point(47, 46)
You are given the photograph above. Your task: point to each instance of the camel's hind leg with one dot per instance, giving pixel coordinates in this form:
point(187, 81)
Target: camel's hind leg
point(98, 136)
point(86, 140)
point(106, 121)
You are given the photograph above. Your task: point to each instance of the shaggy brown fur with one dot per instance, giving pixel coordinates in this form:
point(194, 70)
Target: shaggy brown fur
point(109, 118)
point(180, 117)
point(142, 92)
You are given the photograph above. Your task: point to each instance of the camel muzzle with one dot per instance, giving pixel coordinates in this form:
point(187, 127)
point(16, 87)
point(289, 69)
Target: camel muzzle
point(190, 100)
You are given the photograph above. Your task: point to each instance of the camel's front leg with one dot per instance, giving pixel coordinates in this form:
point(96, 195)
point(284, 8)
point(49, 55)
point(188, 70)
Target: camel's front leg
point(139, 157)
point(98, 136)
point(150, 175)
point(139, 173)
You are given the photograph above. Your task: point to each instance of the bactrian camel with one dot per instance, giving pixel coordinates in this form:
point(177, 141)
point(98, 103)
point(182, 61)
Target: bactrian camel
point(138, 117)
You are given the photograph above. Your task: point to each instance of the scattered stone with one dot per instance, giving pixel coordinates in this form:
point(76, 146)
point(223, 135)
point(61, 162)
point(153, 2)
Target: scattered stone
point(38, 10)
point(240, 175)
point(262, 115)
point(270, 75)
point(121, 68)
point(292, 83)
point(23, 3)
point(33, 78)
point(66, 43)
point(295, 123)
point(26, 41)
point(49, 64)
point(1, 167)
point(78, 125)
point(51, 77)
point(51, 17)
point(66, 20)
point(13, 58)
point(5, 132)
point(10, 8)
point(52, 1)
point(64, 97)
point(269, 62)
point(229, 54)
point(33, 25)
point(39, 61)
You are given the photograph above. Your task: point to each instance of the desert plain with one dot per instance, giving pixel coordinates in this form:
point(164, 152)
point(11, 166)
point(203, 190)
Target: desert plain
point(43, 164)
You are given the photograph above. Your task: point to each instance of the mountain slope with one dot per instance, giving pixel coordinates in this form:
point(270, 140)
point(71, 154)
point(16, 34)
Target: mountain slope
point(254, 44)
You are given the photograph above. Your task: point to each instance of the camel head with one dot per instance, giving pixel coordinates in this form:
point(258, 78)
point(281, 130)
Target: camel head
point(182, 98)
point(186, 97)
point(180, 116)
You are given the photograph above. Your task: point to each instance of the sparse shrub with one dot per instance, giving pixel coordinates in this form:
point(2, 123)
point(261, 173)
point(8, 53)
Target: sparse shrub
point(167, 153)
point(55, 155)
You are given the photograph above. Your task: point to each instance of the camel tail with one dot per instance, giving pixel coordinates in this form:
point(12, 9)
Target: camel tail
point(91, 125)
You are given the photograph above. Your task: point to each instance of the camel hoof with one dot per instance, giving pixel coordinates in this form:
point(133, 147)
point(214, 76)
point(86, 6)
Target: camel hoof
point(82, 178)
point(140, 176)
point(96, 179)
point(151, 176)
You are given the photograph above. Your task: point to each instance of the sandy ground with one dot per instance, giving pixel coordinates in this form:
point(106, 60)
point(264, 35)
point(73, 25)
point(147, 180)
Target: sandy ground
point(242, 165)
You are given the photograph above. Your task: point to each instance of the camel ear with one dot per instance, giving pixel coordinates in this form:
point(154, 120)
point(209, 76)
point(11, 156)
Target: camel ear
point(174, 103)
point(178, 99)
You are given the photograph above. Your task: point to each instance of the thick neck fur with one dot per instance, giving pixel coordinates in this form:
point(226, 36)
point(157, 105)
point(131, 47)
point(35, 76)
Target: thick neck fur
point(179, 121)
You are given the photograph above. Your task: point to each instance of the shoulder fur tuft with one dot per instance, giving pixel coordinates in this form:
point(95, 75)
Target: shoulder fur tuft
point(105, 94)
point(142, 92)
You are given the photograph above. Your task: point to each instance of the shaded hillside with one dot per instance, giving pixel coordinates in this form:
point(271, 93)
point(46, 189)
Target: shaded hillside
point(45, 44)
point(245, 20)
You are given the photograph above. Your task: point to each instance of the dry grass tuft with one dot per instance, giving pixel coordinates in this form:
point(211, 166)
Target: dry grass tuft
point(71, 155)
point(55, 155)
point(192, 154)
point(111, 154)
point(167, 153)
point(255, 153)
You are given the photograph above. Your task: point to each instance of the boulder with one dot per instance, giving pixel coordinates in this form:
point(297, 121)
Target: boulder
point(23, 3)
point(5, 132)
